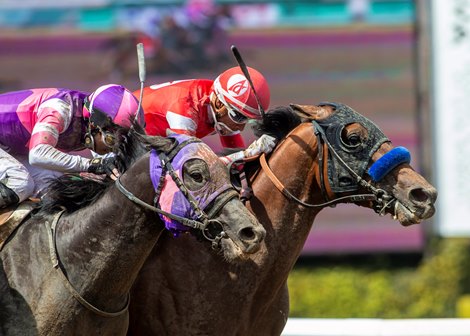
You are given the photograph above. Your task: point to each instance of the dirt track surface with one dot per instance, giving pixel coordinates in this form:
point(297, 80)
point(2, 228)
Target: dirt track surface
point(368, 69)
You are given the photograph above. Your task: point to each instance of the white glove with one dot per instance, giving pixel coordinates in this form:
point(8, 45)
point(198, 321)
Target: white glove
point(264, 144)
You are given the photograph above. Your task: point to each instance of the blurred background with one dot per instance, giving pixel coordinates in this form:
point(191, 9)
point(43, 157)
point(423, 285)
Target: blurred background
point(373, 55)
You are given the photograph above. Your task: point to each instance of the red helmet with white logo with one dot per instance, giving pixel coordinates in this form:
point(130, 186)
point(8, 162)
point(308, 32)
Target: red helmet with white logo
point(232, 88)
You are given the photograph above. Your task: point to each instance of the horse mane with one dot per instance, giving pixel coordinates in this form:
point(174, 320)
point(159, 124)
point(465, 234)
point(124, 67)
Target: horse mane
point(75, 191)
point(277, 122)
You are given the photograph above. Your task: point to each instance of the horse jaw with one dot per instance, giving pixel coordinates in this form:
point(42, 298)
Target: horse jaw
point(231, 252)
point(405, 216)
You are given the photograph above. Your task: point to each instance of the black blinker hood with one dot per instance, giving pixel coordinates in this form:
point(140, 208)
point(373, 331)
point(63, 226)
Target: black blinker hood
point(357, 158)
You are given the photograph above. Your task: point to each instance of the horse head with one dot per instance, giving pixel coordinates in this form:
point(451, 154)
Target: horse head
point(357, 163)
point(193, 193)
point(188, 187)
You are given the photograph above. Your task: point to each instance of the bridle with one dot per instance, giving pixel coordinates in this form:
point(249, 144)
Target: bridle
point(382, 199)
point(210, 228)
point(204, 222)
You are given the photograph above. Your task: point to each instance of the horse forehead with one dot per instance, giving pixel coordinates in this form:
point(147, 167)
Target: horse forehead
point(356, 127)
point(196, 151)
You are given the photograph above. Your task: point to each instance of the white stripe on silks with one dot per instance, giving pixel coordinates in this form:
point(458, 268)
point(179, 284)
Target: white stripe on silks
point(177, 121)
point(158, 86)
point(235, 100)
point(61, 106)
point(45, 127)
point(97, 92)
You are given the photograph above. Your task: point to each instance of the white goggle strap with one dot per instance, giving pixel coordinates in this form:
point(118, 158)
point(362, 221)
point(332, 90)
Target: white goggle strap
point(219, 126)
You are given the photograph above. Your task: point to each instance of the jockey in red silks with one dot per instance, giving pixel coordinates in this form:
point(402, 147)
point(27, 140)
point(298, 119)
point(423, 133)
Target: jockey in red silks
point(199, 107)
point(40, 127)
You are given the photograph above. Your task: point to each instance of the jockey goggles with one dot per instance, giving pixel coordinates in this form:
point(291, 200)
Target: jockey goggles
point(234, 114)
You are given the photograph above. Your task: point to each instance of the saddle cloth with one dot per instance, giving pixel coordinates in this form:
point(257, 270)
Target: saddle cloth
point(11, 217)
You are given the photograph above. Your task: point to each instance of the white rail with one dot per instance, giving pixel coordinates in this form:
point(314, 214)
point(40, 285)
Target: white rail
point(377, 327)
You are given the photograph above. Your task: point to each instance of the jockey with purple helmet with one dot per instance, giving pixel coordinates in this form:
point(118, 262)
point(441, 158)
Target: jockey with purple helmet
point(39, 128)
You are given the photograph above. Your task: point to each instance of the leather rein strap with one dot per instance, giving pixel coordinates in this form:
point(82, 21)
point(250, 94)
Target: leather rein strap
point(54, 255)
point(380, 196)
point(288, 194)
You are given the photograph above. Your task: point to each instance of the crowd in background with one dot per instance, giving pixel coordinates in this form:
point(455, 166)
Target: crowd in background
point(176, 39)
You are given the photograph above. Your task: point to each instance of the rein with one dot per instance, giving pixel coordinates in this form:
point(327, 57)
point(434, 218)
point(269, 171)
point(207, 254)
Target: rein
point(383, 199)
point(54, 254)
point(288, 194)
point(204, 223)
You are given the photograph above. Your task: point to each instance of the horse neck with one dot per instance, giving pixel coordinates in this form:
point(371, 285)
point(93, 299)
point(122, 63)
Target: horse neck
point(103, 246)
point(295, 164)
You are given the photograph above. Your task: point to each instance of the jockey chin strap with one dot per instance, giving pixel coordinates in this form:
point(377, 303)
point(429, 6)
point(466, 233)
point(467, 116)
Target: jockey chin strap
point(219, 126)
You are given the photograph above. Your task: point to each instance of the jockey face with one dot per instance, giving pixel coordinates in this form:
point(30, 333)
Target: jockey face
point(103, 142)
point(227, 125)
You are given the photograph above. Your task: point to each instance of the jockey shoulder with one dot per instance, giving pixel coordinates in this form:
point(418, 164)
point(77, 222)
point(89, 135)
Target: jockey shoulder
point(41, 127)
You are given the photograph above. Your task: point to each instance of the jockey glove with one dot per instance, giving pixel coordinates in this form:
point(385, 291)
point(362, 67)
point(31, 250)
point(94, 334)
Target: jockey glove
point(7, 196)
point(102, 165)
point(265, 144)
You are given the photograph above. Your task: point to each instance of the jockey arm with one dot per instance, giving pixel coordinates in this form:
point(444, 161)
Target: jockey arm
point(54, 117)
point(48, 157)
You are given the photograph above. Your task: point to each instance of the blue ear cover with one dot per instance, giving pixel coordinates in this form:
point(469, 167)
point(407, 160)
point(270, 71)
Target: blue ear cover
point(387, 162)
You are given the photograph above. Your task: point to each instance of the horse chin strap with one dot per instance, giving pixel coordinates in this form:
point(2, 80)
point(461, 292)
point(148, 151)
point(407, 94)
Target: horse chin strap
point(382, 199)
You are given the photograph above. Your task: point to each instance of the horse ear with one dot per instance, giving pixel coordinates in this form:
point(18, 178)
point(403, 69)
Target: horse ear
point(310, 111)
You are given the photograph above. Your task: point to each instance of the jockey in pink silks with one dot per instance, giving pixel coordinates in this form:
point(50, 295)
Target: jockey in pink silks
point(39, 128)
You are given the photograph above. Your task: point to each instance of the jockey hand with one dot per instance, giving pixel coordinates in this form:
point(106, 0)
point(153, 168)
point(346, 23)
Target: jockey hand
point(104, 165)
point(264, 144)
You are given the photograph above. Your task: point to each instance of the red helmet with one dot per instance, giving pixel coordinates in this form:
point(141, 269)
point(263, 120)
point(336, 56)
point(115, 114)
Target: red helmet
point(232, 88)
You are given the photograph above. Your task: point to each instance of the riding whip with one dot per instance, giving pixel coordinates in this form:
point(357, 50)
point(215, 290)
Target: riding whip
point(244, 69)
point(141, 64)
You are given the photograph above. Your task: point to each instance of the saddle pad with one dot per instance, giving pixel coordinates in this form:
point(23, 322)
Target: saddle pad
point(11, 218)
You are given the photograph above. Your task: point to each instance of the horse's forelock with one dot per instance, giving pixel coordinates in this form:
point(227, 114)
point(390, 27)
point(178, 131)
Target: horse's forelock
point(277, 122)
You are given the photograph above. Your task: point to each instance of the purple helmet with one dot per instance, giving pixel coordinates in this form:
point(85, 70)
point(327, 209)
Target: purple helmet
point(116, 102)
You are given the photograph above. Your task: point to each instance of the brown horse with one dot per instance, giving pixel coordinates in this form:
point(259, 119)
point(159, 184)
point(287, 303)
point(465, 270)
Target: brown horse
point(69, 272)
point(322, 159)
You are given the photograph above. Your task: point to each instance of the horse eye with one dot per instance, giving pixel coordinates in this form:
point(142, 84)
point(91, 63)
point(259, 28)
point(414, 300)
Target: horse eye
point(197, 177)
point(354, 140)
point(195, 174)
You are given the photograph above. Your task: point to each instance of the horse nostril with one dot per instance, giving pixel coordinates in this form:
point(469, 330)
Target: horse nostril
point(423, 195)
point(250, 234)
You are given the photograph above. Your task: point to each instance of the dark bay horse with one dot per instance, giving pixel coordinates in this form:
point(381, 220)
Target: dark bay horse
point(322, 159)
point(69, 272)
